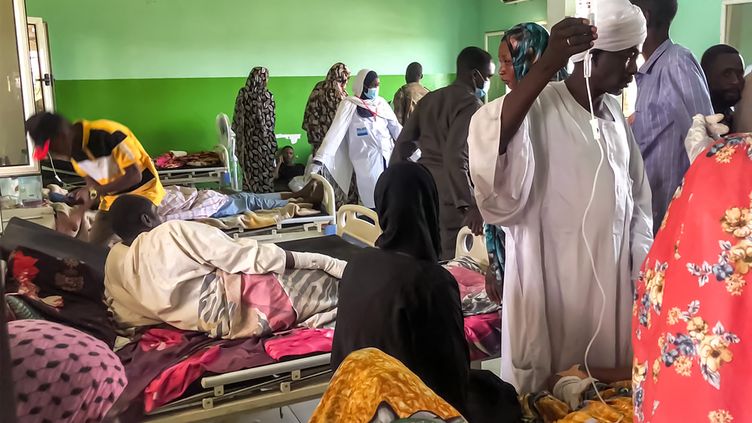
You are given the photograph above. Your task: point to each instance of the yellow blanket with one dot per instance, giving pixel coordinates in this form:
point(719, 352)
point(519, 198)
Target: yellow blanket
point(545, 408)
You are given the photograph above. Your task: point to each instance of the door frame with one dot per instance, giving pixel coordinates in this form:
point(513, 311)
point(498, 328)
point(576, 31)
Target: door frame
point(486, 41)
point(724, 16)
point(27, 89)
point(487, 36)
point(45, 62)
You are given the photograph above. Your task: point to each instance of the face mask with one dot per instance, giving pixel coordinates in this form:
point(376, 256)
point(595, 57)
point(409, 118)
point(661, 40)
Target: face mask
point(481, 93)
point(372, 93)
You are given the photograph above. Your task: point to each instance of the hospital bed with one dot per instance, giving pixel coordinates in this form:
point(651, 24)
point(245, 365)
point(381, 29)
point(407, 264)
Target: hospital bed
point(299, 227)
point(247, 390)
point(298, 380)
point(190, 176)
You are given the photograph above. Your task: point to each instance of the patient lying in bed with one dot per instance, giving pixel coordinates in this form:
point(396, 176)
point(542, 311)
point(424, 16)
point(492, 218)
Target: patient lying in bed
point(185, 203)
point(192, 276)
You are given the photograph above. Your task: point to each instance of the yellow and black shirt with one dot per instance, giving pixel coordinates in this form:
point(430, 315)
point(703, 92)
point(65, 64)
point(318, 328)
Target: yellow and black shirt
point(103, 149)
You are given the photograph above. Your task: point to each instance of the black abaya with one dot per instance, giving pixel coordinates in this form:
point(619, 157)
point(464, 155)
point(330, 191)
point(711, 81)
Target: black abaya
point(400, 300)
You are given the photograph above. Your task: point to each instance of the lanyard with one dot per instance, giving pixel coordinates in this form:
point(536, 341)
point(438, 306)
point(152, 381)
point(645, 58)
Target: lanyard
point(365, 106)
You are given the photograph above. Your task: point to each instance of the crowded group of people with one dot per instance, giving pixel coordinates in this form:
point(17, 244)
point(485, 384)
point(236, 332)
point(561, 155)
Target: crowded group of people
point(569, 193)
point(578, 191)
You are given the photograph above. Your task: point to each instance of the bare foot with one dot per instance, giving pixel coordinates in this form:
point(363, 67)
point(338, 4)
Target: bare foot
point(316, 196)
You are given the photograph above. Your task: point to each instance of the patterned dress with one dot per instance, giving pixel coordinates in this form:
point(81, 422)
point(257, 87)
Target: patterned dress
point(319, 114)
point(693, 307)
point(253, 124)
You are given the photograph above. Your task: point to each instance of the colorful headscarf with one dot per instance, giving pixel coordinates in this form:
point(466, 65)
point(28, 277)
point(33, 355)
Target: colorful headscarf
point(527, 42)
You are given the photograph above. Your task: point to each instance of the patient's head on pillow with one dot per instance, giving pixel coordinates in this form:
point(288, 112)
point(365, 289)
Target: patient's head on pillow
point(132, 215)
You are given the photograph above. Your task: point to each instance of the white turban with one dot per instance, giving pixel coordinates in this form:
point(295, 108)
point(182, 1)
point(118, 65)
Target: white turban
point(621, 25)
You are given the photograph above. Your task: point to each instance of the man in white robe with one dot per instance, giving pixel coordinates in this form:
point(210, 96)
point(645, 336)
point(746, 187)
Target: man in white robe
point(539, 188)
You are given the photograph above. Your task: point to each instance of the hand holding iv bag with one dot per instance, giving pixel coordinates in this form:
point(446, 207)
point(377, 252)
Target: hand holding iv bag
point(584, 9)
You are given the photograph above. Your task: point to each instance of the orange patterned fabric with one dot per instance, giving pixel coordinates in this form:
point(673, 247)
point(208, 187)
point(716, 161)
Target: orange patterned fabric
point(372, 386)
point(693, 305)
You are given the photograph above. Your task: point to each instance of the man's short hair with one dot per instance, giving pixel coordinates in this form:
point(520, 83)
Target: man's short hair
point(414, 72)
point(125, 215)
point(711, 54)
point(472, 58)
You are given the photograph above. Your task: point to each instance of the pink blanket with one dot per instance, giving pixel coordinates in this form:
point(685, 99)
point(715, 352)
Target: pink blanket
point(299, 343)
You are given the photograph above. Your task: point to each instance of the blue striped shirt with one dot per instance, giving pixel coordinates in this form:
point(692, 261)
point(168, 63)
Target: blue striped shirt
point(671, 89)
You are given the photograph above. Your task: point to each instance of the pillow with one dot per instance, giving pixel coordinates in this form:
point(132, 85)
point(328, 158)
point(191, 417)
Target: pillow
point(61, 289)
point(472, 284)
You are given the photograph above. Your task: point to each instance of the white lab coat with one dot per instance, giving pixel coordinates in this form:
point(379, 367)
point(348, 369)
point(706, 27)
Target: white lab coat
point(539, 190)
point(362, 144)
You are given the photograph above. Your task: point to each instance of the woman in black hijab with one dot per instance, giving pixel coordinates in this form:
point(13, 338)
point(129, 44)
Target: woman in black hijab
point(397, 298)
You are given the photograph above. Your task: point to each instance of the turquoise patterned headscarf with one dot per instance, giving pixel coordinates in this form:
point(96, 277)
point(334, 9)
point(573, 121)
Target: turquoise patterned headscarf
point(527, 42)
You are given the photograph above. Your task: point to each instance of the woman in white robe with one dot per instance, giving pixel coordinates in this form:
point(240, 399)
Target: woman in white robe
point(361, 138)
point(539, 187)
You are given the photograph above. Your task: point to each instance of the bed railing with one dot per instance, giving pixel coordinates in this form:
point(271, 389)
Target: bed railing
point(471, 245)
point(351, 224)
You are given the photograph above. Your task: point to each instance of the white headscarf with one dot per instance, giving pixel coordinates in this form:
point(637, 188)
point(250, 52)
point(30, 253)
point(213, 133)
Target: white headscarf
point(360, 80)
point(621, 25)
point(377, 105)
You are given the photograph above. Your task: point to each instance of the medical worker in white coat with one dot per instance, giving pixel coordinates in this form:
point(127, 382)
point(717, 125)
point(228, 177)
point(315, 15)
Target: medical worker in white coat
point(361, 138)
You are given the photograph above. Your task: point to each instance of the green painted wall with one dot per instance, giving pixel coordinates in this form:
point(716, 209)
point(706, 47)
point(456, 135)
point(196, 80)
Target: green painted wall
point(125, 39)
point(497, 16)
point(697, 25)
point(179, 113)
point(166, 68)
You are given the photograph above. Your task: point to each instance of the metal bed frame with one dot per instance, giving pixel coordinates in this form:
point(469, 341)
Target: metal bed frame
point(185, 176)
point(272, 386)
